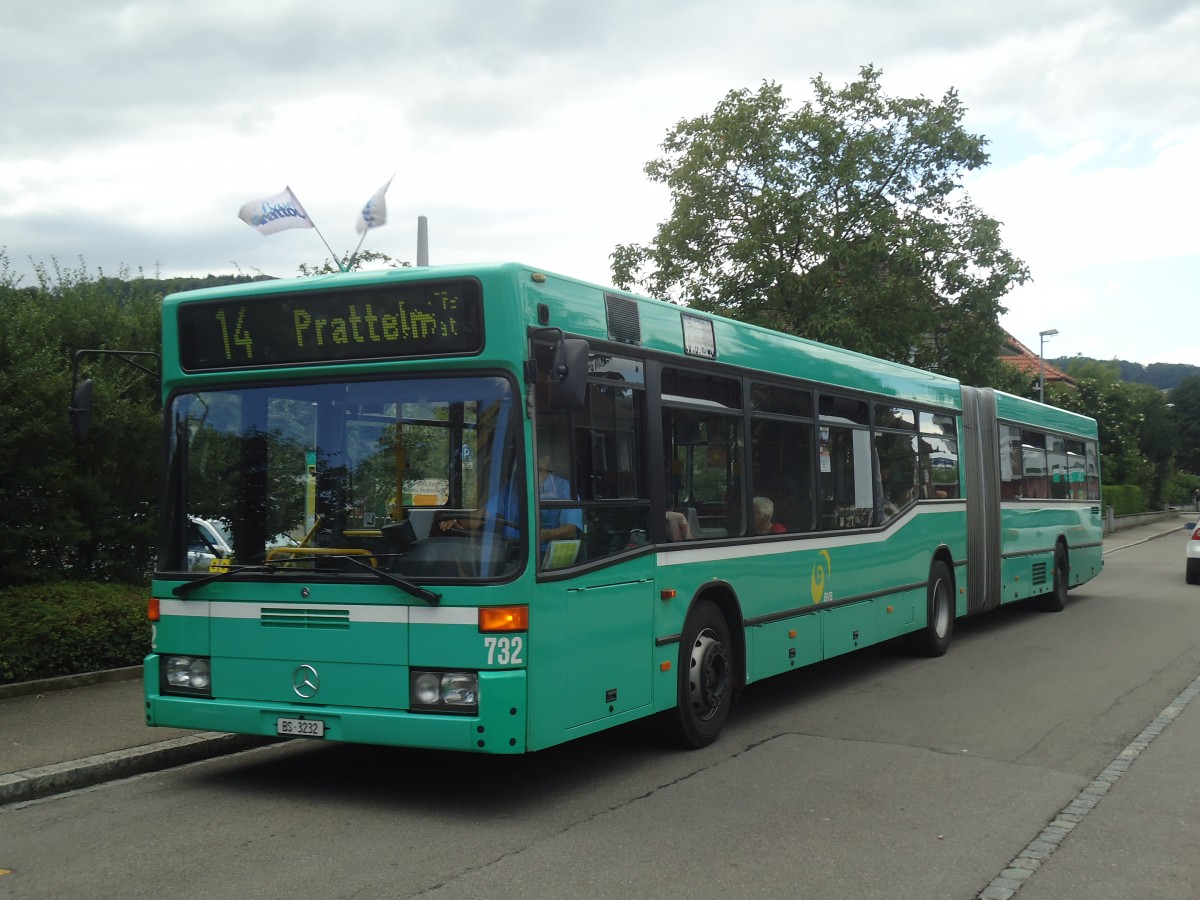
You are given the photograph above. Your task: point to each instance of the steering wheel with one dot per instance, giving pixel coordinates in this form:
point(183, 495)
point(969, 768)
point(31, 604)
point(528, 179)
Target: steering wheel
point(479, 521)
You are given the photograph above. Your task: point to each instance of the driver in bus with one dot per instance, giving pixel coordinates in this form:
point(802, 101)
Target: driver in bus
point(557, 524)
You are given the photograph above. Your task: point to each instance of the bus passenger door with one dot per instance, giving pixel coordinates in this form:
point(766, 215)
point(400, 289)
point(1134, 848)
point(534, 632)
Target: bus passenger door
point(611, 672)
point(591, 626)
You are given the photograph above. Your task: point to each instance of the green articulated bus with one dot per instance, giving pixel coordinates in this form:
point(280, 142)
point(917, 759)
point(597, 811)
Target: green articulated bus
point(492, 509)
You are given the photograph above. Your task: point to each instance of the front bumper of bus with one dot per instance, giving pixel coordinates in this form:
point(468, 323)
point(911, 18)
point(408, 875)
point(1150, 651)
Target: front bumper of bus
point(498, 727)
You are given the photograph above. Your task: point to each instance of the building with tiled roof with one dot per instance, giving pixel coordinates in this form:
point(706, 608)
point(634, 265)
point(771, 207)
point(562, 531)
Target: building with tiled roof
point(1026, 361)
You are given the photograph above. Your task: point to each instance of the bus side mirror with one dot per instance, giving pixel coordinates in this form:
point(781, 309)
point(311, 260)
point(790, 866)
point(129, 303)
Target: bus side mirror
point(568, 374)
point(81, 410)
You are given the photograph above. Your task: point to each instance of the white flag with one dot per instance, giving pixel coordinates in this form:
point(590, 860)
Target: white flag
point(374, 213)
point(272, 214)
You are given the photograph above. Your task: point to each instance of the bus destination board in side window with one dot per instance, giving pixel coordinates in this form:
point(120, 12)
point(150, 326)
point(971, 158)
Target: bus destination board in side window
point(436, 318)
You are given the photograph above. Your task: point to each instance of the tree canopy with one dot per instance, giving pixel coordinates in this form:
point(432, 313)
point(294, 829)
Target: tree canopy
point(86, 511)
point(843, 221)
point(1186, 407)
point(1164, 376)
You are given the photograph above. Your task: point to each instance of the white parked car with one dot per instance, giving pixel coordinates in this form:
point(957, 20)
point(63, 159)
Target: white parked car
point(207, 541)
point(1193, 555)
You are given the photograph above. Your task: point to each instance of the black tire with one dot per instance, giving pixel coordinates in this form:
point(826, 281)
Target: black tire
point(706, 677)
point(1193, 571)
point(934, 638)
point(1056, 599)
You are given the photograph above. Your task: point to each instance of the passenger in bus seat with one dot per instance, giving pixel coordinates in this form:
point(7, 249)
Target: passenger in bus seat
point(677, 526)
point(764, 514)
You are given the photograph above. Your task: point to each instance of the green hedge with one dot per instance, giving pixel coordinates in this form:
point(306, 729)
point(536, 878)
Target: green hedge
point(71, 627)
point(1125, 499)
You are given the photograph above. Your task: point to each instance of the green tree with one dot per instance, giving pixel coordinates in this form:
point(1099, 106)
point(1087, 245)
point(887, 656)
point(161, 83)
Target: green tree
point(352, 262)
point(1158, 437)
point(1139, 433)
point(87, 510)
point(843, 221)
point(1186, 400)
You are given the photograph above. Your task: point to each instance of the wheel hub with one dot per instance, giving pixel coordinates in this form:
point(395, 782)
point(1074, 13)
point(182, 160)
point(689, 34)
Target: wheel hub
point(709, 675)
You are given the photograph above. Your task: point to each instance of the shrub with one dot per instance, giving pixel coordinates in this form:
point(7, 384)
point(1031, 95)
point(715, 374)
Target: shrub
point(1181, 489)
point(71, 627)
point(1125, 499)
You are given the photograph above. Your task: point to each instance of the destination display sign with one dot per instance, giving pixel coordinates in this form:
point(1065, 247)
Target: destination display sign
point(434, 318)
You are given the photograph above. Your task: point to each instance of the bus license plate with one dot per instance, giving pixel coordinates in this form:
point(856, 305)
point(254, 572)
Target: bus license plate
point(311, 728)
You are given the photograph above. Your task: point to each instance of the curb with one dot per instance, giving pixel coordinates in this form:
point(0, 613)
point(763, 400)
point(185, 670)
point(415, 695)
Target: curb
point(33, 784)
point(1144, 540)
point(66, 682)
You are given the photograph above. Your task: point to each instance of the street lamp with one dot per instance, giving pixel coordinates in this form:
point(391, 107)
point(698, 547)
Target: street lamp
point(1042, 362)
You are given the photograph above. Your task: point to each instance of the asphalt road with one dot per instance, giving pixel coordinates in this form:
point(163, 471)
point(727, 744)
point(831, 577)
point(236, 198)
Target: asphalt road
point(879, 775)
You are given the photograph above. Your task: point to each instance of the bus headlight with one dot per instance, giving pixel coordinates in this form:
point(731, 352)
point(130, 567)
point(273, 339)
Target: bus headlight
point(426, 689)
point(186, 675)
point(451, 692)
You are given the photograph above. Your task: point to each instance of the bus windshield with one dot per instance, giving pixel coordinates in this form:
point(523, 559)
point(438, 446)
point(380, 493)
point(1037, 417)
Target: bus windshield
point(416, 477)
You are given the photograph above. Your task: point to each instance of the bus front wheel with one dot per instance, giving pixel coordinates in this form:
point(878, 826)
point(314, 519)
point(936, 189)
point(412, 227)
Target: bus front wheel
point(706, 667)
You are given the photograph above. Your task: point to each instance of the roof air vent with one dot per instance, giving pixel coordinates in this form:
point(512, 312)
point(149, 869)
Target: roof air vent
point(623, 322)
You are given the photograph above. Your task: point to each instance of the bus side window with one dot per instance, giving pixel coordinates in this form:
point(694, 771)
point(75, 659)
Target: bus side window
point(704, 448)
point(897, 489)
point(1035, 482)
point(939, 456)
point(1092, 455)
point(846, 482)
point(1010, 463)
point(782, 453)
point(604, 443)
point(703, 455)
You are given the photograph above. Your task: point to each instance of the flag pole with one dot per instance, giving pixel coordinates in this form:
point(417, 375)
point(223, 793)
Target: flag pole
point(350, 261)
point(332, 255)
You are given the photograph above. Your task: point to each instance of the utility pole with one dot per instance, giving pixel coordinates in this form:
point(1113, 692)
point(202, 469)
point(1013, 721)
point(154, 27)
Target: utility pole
point(1042, 362)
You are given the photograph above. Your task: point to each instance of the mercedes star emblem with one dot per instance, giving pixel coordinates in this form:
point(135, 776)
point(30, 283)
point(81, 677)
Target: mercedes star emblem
point(306, 682)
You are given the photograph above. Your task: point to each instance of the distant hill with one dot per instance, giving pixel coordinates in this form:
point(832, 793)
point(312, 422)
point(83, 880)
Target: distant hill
point(1164, 376)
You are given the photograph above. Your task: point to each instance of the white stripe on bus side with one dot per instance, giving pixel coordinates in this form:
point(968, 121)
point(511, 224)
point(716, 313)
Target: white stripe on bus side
point(449, 615)
point(805, 540)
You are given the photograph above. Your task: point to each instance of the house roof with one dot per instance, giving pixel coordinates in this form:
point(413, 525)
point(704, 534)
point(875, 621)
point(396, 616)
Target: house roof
point(1024, 360)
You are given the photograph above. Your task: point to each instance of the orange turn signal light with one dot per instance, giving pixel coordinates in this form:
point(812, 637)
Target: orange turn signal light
point(152, 612)
point(503, 618)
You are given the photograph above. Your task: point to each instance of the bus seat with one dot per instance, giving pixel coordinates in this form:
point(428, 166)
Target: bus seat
point(697, 530)
point(422, 520)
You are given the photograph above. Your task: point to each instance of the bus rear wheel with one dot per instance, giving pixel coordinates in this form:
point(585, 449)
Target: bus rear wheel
point(1056, 599)
point(934, 638)
point(706, 676)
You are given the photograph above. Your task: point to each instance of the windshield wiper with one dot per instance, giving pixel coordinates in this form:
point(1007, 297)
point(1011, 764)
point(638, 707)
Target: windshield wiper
point(187, 587)
point(430, 597)
point(415, 590)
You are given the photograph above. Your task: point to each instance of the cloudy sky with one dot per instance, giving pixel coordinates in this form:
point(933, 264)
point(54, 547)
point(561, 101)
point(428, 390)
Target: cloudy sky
point(132, 132)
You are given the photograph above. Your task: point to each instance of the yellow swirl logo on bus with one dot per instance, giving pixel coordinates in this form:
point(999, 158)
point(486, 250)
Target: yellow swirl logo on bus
point(820, 574)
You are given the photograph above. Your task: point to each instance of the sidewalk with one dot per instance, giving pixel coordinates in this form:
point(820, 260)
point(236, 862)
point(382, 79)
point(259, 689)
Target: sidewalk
point(1132, 832)
point(67, 733)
